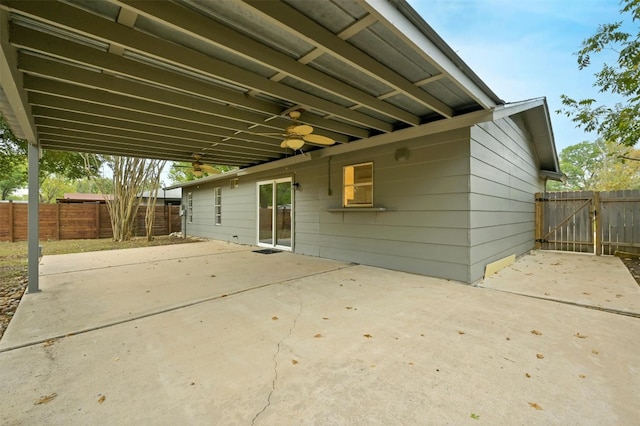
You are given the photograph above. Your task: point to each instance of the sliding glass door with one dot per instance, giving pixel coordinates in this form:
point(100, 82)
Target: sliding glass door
point(275, 214)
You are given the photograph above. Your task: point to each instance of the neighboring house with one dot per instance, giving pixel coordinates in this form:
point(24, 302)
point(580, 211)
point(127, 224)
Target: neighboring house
point(164, 197)
point(443, 204)
point(79, 197)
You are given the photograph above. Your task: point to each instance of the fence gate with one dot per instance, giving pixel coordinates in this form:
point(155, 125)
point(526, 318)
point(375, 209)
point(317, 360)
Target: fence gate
point(564, 221)
point(588, 221)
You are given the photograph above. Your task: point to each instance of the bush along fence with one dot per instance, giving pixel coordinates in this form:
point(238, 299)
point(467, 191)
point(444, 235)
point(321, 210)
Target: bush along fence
point(79, 221)
point(589, 221)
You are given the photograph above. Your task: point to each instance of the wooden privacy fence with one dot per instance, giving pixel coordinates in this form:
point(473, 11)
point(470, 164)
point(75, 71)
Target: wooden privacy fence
point(588, 221)
point(79, 221)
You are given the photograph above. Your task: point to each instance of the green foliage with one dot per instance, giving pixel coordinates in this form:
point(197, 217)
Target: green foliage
point(621, 122)
point(13, 168)
point(599, 166)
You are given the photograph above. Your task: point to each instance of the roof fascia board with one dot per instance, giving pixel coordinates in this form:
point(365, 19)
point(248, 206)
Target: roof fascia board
point(532, 106)
point(11, 81)
point(405, 22)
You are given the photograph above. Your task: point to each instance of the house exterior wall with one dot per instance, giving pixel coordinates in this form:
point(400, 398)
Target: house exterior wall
point(462, 199)
point(425, 228)
point(504, 178)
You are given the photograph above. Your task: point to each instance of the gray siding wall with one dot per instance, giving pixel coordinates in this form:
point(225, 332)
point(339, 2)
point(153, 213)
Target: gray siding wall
point(504, 178)
point(424, 230)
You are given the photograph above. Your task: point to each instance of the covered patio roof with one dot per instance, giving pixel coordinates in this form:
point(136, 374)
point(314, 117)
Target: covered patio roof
point(172, 78)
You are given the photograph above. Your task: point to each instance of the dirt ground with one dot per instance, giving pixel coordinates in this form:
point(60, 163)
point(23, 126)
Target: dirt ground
point(633, 265)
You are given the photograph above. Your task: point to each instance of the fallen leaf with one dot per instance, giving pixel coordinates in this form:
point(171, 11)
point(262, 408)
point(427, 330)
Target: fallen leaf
point(540, 356)
point(274, 318)
point(580, 336)
point(536, 406)
point(546, 293)
point(101, 399)
point(368, 336)
point(527, 375)
point(582, 376)
point(475, 416)
point(45, 399)
point(318, 335)
point(349, 307)
point(49, 342)
point(536, 332)
point(294, 362)
point(325, 318)
point(410, 363)
point(460, 332)
point(618, 295)
point(508, 338)
point(586, 294)
point(595, 352)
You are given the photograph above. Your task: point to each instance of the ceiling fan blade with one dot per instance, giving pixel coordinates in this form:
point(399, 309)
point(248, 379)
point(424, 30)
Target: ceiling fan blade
point(318, 139)
point(283, 144)
point(294, 142)
point(301, 130)
point(209, 169)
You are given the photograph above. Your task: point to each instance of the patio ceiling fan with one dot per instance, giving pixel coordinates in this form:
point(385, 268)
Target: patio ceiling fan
point(296, 135)
point(198, 167)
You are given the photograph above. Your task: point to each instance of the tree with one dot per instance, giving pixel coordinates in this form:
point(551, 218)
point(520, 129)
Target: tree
point(599, 166)
point(154, 171)
point(53, 187)
point(12, 180)
point(130, 177)
point(13, 167)
point(621, 122)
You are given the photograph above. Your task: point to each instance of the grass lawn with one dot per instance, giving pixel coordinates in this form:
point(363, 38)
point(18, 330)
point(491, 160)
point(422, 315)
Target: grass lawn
point(13, 264)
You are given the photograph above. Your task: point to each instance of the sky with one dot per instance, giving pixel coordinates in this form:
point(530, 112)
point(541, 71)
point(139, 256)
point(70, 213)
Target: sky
point(525, 49)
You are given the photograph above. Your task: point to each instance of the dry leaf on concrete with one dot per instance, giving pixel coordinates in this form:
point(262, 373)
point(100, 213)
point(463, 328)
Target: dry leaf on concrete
point(540, 356)
point(368, 336)
point(580, 336)
point(101, 399)
point(460, 332)
point(318, 335)
point(536, 406)
point(45, 399)
point(275, 318)
point(536, 332)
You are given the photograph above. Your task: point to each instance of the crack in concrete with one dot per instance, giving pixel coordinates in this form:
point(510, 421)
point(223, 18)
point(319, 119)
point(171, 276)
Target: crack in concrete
point(275, 366)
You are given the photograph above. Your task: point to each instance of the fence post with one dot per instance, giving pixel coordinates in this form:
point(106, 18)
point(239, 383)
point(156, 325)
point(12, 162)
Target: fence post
point(58, 207)
point(597, 225)
point(97, 220)
point(10, 221)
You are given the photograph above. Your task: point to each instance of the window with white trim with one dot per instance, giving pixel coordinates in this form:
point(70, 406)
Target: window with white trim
point(190, 207)
point(357, 185)
point(217, 205)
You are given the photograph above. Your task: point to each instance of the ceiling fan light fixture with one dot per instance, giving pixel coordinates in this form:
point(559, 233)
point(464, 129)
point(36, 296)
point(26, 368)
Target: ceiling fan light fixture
point(295, 143)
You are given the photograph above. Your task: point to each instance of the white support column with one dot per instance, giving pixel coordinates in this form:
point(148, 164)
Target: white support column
point(33, 222)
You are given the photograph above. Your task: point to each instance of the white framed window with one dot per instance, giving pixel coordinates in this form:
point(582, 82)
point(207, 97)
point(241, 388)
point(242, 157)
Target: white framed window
point(233, 183)
point(190, 207)
point(217, 205)
point(357, 189)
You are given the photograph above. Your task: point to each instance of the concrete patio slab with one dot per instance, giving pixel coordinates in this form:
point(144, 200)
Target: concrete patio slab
point(601, 282)
point(327, 343)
